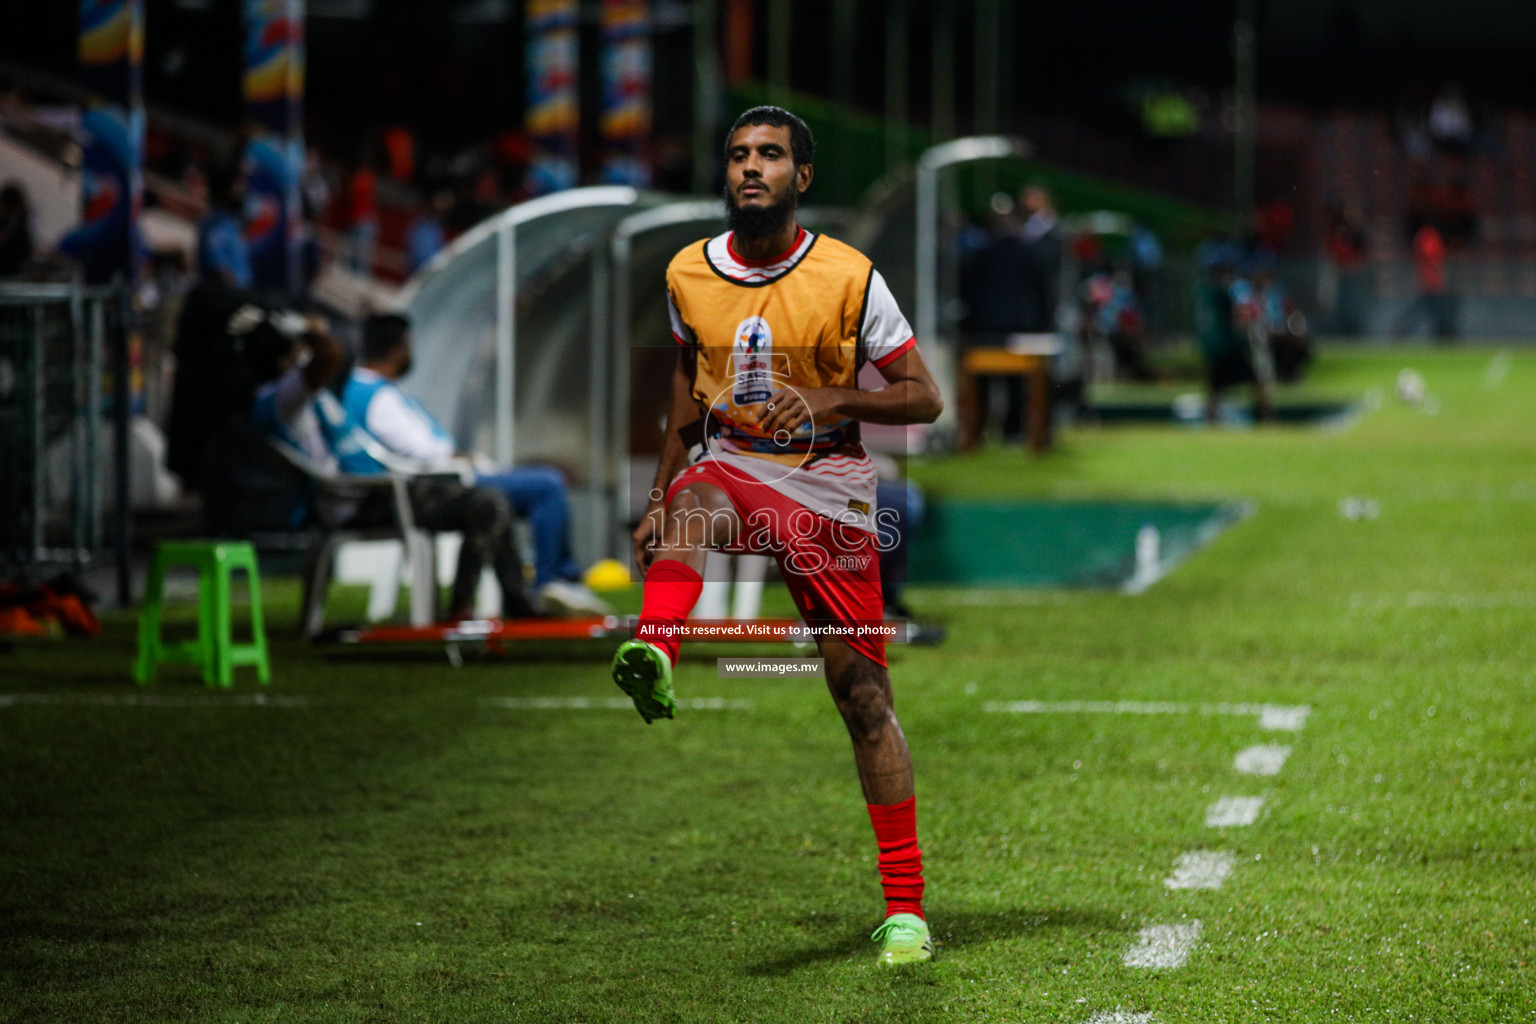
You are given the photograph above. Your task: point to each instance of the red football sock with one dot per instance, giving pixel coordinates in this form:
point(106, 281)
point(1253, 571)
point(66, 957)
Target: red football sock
point(671, 591)
point(901, 862)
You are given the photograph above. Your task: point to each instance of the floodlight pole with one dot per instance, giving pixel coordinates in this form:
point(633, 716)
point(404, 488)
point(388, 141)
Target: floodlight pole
point(779, 50)
point(942, 118)
point(1244, 51)
point(898, 25)
point(934, 160)
point(708, 87)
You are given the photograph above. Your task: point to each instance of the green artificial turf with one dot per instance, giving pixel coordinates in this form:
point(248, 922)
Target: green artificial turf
point(381, 841)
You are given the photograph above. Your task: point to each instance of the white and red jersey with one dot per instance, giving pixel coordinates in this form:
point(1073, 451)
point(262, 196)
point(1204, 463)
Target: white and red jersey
point(808, 318)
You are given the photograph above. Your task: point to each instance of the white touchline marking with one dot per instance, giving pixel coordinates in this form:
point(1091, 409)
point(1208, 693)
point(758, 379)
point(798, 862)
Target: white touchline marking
point(1229, 811)
point(1120, 1018)
point(1266, 759)
point(1272, 717)
point(151, 700)
point(1202, 869)
point(1163, 946)
point(607, 703)
point(1283, 719)
point(1481, 493)
point(1435, 599)
point(1087, 707)
point(986, 597)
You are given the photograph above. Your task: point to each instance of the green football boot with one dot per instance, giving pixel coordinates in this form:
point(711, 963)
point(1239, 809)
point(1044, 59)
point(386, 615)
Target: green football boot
point(903, 939)
point(644, 672)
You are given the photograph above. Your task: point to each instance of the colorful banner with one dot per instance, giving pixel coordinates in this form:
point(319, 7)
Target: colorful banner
point(112, 173)
point(553, 114)
point(626, 92)
point(112, 50)
point(274, 101)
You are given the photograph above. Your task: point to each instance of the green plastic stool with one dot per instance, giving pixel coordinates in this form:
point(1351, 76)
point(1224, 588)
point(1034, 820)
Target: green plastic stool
point(214, 650)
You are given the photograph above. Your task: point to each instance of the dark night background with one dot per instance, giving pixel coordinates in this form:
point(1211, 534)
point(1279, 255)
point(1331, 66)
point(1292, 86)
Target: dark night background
point(455, 67)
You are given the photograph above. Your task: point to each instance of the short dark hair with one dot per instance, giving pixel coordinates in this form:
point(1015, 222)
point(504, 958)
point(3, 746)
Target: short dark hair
point(382, 334)
point(264, 348)
point(801, 146)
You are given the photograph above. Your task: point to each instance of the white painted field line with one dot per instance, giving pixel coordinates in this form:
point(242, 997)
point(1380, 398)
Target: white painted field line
point(1230, 811)
point(1272, 717)
point(151, 700)
point(1440, 599)
point(984, 597)
point(607, 703)
point(1265, 759)
point(1118, 1017)
point(1276, 718)
point(1202, 869)
point(1163, 946)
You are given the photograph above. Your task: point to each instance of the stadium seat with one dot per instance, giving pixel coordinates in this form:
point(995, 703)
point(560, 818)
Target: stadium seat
point(320, 562)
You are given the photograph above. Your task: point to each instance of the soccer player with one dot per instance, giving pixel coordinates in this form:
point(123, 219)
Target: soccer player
point(773, 324)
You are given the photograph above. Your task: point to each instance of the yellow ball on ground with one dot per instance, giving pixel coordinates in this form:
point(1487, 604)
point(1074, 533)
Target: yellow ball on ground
point(609, 574)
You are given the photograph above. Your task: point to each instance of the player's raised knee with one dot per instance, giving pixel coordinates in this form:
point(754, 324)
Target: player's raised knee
point(866, 707)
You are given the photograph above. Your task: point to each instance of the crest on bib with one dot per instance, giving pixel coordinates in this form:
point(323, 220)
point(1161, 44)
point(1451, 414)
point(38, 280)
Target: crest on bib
point(752, 359)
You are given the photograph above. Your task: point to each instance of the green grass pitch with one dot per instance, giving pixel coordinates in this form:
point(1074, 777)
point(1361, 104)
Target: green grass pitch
point(379, 841)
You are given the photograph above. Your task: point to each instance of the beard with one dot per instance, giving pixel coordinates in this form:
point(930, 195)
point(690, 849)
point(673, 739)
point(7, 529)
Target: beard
point(751, 223)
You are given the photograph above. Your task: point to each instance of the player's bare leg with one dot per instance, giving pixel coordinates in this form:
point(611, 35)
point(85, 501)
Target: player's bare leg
point(698, 518)
point(861, 688)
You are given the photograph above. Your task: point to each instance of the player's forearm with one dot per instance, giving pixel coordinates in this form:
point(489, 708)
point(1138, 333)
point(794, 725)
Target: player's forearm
point(901, 403)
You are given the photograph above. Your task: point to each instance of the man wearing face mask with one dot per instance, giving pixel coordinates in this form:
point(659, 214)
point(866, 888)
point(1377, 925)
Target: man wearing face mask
point(374, 399)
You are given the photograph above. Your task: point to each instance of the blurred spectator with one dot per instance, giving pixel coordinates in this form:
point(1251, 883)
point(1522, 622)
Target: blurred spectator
point(375, 401)
point(1450, 123)
point(901, 508)
point(426, 233)
point(1345, 283)
point(315, 187)
point(1455, 212)
point(1273, 221)
point(15, 231)
point(400, 153)
point(1112, 317)
point(223, 256)
point(1147, 275)
point(1435, 299)
point(1224, 310)
point(212, 386)
point(995, 286)
point(295, 406)
point(1042, 235)
point(1281, 328)
point(360, 219)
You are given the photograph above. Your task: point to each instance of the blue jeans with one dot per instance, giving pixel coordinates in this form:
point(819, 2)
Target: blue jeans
point(905, 499)
point(537, 494)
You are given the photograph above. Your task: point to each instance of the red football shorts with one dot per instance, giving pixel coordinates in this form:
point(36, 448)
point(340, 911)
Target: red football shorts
point(832, 569)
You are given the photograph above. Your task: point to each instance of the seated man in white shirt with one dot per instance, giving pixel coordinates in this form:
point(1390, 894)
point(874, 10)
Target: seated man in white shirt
point(295, 407)
point(401, 424)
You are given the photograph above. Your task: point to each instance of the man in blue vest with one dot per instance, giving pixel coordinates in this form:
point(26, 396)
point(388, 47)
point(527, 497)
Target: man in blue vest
point(296, 407)
point(404, 427)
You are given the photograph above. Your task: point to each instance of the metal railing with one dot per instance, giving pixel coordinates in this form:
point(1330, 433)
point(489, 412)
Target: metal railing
point(64, 395)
